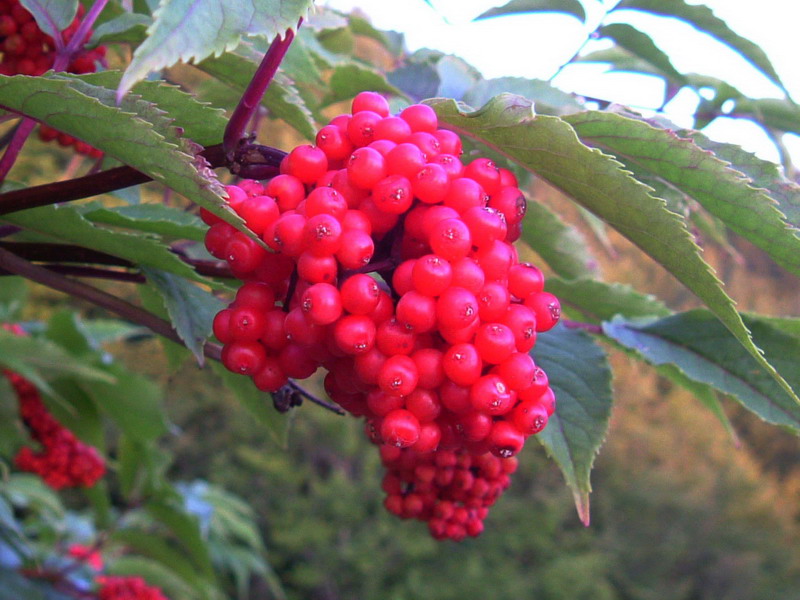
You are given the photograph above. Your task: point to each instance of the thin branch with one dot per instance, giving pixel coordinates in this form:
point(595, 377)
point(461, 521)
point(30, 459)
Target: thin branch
point(87, 186)
point(19, 266)
point(15, 146)
point(92, 272)
point(251, 99)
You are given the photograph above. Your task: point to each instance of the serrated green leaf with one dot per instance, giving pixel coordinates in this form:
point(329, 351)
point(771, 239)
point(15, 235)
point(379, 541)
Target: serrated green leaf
point(190, 308)
point(52, 16)
point(703, 18)
point(561, 246)
point(133, 403)
point(547, 99)
point(66, 224)
point(707, 352)
point(764, 174)
point(137, 133)
point(596, 301)
point(549, 147)
point(176, 354)
point(570, 7)
point(683, 165)
point(581, 379)
point(192, 30)
point(257, 403)
point(642, 46)
point(203, 124)
point(349, 79)
point(167, 221)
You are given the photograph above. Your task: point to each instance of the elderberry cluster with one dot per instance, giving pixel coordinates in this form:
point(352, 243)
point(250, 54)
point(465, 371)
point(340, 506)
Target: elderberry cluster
point(64, 460)
point(393, 268)
point(27, 50)
point(127, 588)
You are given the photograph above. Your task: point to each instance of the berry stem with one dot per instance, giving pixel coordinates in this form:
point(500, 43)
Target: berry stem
point(76, 43)
point(248, 105)
point(312, 398)
point(15, 146)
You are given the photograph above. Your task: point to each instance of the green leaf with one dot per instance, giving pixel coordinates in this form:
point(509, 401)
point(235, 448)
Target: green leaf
point(67, 224)
point(176, 353)
point(701, 347)
point(620, 59)
point(167, 221)
point(703, 18)
point(41, 360)
point(561, 246)
point(190, 308)
point(133, 402)
point(130, 28)
point(548, 100)
point(683, 165)
point(186, 529)
point(146, 544)
point(52, 16)
point(200, 122)
point(642, 46)
point(154, 573)
point(13, 295)
point(570, 7)
point(549, 147)
point(581, 379)
point(764, 174)
point(15, 586)
point(257, 403)
point(137, 133)
point(281, 98)
point(597, 301)
point(349, 79)
point(192, 30)
point(773, 113)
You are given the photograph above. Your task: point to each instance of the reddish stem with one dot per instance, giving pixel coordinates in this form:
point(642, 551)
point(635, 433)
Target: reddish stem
point(248, 105)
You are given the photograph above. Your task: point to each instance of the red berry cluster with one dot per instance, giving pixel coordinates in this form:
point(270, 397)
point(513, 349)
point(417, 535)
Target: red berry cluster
point(127, 588)
point(27, 50)
point(394, 269)
point(64, 460)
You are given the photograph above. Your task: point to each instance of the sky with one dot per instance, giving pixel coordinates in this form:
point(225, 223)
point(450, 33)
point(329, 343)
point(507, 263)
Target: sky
point(534, 46)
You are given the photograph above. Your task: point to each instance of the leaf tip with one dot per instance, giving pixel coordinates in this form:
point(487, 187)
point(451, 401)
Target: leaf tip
point(582, 506)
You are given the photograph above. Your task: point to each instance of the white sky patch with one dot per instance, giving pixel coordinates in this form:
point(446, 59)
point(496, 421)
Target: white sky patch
point(534, 46)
